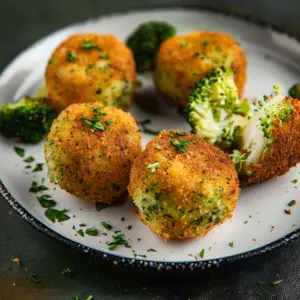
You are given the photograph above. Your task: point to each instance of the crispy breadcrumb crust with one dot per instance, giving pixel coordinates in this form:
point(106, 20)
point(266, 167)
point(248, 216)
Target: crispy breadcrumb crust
point(95, 75)
point(284, 153)
point(184, 59)
point(202, 169)
point(92, 165)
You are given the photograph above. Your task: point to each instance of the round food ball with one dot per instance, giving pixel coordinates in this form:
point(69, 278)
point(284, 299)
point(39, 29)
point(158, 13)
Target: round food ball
point(91, 68)
point(182, 185)
point(182, 60)
point(90, 149)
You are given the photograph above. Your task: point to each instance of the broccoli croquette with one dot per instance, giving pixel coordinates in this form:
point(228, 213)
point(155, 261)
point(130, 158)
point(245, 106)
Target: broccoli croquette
point(184, 59)
point(91, 68)
point(279, 150)
point(90, 149)
point(182, 185)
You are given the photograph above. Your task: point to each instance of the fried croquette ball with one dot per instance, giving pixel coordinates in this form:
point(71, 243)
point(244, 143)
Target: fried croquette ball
point(90, 149)
point(91, 68)
point(270, 143)
point(182, 60)
point(182, 185)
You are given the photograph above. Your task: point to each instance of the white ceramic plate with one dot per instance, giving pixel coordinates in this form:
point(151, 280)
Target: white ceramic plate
point(259, 222)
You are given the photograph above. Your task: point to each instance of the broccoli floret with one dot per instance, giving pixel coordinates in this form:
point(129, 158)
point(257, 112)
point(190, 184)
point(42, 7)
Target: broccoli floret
point(294, 91)
point(28, 120)
point(257, 138)
point(214, 110)
point(145, 41)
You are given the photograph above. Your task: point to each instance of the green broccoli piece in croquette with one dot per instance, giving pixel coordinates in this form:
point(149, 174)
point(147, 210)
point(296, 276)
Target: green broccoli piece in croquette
point(145, 41)
point(29, 120)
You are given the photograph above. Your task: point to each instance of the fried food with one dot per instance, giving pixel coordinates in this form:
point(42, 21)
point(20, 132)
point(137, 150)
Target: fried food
point(184, 59)
point(90, 149)
point(91, 68)
point(183, 186)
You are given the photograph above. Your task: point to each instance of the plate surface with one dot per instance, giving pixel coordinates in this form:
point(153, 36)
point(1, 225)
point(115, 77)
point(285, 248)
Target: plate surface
point(259, 220)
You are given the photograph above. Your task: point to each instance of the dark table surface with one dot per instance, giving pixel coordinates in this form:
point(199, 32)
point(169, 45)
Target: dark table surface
point(22, 23)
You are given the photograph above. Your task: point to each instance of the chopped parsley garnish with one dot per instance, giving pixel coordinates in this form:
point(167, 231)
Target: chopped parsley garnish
point(202, 253)
point(106, 225)
point(34, 278)
point(196, 54)
point(82, 225)
point(115, 186)
point(118, 240)
point(108, 122)
point(245, 222)
point(88, 45)
point(76, 298)
point(55, 214)
point(183, 44)
point(143, 256)
point(67, 272)
point(38, 168)
point(46, 201)
point(231, 244)
point(295, 181)
point(93, 124)
point(277, 282)
point(100, 206)
point(89, 298)
point(205, 43)
point(104, 56)
point(29, 159)
point(151, 250)
point(261, 283)
point(35, 188)
point(99, 91)
point(180, 145)
point(292, 203)
point(80, 232)
point(91, 231)
point(20, 151)
point(180, 133)
point(153, 167)
point(158, 148)
point(71, 57)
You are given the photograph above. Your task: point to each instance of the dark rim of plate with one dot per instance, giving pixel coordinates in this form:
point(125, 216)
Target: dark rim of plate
point(140, 263)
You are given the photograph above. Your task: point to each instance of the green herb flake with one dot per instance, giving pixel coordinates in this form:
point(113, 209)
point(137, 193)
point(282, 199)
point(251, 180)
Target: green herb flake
point(67, 272)
point(153, 166)
point(29, 159)
point(80, 232)
point(20, 151)
point(151, 250)
point(259, 294)
point(261, 283)
point(292, 203)
point(180, 145)
point(205, 43)
point(54, 214)
point(35, 188)
point(106, 225)
point(276, 282)
point(202, 253)
point(76, 298)
point(89, 298)
point(245, 222)
point(34, 278)
point(180, 133)
point(183, 44)
point(95, 125)
point(100, 206)
point(118, 240)
point(116, 187)
point(71, 57)
point(231, 244)
point(82, 224)
point(108, 122)
point(88, 45)
point(196, 54)
point(98, 91)
point(91, 231)
point(104, 56)
point(295, 181)
point(38, 168)
point(46, 201)
point(158, 148)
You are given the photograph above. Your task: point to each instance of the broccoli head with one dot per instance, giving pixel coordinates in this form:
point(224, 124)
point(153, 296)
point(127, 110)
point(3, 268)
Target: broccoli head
point(267, 142)
point(214, 110)
point(145, 41)
point(294, 91)
point(29, 120)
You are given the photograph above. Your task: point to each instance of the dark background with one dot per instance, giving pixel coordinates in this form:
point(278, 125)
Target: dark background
point(24, 22)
